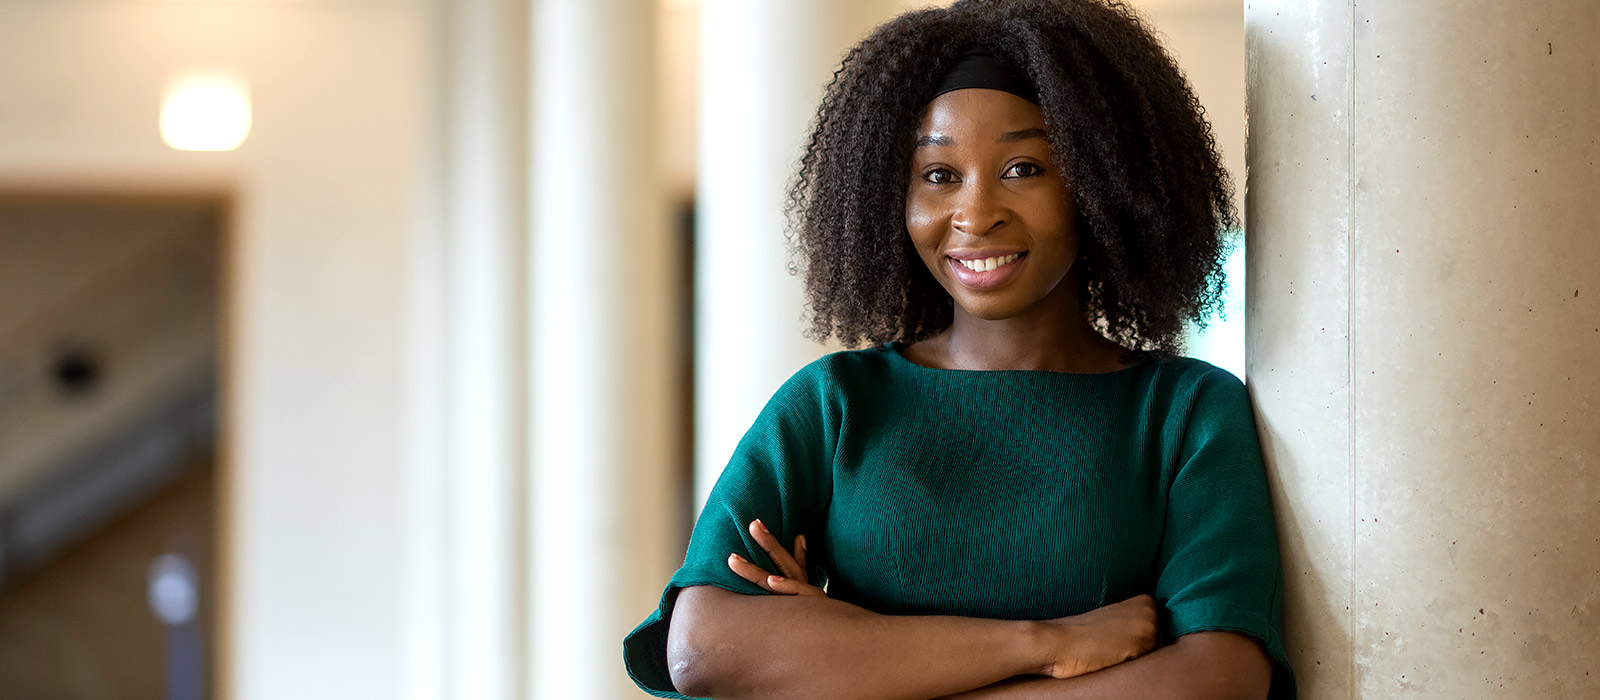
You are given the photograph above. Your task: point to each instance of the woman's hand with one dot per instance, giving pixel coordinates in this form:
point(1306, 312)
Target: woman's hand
point(792, 578)
point(1099, 638)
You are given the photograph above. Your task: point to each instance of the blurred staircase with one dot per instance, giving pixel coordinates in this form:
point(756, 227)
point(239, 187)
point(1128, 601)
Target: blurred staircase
point(108, 363)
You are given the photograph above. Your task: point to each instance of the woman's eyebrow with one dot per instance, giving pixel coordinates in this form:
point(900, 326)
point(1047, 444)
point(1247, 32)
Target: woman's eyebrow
point(1025, 134)
point(934, 140)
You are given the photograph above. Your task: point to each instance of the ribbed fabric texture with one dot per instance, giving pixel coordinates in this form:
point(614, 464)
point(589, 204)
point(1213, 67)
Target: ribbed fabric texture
point(1003, 494)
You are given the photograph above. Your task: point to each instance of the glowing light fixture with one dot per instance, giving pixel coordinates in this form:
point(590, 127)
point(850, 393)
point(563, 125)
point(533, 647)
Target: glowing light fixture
point(205, 112)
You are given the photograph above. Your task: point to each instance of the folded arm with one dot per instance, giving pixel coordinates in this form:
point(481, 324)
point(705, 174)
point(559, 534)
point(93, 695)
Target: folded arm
point(1199, 666)
point(731, 645)
point(802, 644)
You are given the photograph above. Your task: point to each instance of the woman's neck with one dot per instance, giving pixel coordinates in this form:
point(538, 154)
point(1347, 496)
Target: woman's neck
point(1053, 336)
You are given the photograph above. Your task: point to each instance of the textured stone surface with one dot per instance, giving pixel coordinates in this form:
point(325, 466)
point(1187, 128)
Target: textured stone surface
point(1423, 325)
point(1298, 308)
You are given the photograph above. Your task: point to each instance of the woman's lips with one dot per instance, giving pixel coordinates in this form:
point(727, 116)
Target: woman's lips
point(1004, 267)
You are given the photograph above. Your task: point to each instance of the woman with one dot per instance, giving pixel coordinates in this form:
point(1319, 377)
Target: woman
point(1018, 489)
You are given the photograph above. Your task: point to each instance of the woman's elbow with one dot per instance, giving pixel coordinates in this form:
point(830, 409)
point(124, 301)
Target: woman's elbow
point(693, 663)
point(712, 654)
point(686, 665)
point(1225, 666)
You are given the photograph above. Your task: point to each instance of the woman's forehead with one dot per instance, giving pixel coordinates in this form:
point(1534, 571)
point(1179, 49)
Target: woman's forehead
point(978, 111)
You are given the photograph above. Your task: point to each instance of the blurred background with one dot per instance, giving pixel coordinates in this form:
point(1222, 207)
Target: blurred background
point(385, 348)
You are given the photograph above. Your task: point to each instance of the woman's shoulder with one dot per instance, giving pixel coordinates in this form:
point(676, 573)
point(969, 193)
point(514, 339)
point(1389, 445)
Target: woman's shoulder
point(845, 369)
point(836, 371)
point(1180, 388)
point(1192, 371)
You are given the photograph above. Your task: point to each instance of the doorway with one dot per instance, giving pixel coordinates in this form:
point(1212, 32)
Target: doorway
point(110, 318)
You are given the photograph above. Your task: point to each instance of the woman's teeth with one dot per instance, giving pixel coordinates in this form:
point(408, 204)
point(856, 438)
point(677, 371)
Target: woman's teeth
point(988, 264)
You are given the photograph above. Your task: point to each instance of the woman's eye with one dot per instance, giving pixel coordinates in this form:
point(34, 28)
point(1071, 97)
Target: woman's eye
point(939, 176)
point(1024, 170)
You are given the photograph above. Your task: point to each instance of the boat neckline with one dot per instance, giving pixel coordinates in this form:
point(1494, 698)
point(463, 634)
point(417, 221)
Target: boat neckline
point(895, 349)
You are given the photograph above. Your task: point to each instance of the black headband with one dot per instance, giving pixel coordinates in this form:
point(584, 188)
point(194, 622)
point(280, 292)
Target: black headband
point(981, 69)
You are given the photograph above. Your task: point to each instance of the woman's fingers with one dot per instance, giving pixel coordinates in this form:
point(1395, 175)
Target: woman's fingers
point(779, 584)
point(791, 578)
point(787, 566)
point(750, 572)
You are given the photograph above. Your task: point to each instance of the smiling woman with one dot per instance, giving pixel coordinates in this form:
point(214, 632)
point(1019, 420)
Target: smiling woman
point(1018, 489)
point(991, 218)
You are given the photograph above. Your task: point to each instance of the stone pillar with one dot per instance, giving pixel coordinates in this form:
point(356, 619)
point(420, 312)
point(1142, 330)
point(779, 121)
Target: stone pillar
point(762, 69)
point(477, 647)
point(1424, 323)
point(600, 265)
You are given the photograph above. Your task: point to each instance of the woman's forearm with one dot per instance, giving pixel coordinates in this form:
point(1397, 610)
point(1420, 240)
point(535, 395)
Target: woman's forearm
point(727, 645)
point(1200, 666)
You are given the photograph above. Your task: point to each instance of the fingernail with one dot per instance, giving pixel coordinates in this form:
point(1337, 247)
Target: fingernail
point(763, 526)
point(736, 557)
point(773, 580)
point(802, 539)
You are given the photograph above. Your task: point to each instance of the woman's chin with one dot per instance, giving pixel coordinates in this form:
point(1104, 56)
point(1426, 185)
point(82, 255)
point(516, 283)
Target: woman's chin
point(991, 309)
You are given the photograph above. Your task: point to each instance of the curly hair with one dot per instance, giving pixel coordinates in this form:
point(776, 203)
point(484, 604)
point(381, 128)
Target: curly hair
point(1129, 137)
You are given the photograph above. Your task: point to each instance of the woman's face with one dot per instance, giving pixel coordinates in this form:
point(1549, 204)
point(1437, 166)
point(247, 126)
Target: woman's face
point(986, 206)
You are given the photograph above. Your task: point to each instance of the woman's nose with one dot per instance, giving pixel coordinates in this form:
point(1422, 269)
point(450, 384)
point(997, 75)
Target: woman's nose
point(979, 209)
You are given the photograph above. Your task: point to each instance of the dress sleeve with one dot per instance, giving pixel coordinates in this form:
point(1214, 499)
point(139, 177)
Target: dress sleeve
point(779, 473)
point(1219, 567)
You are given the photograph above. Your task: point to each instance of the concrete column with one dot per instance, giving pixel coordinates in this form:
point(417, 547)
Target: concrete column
point(478, 646)
point(1424, 321)
point(601, 320)
point(762, 69)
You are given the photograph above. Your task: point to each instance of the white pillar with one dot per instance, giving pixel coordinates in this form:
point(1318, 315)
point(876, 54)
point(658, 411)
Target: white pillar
point(1423, 326)
point(602, 346)
point(762, 69)
point(477, 647)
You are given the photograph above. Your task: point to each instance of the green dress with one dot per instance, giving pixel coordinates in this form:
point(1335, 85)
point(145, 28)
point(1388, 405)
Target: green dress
point(1012, 494)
